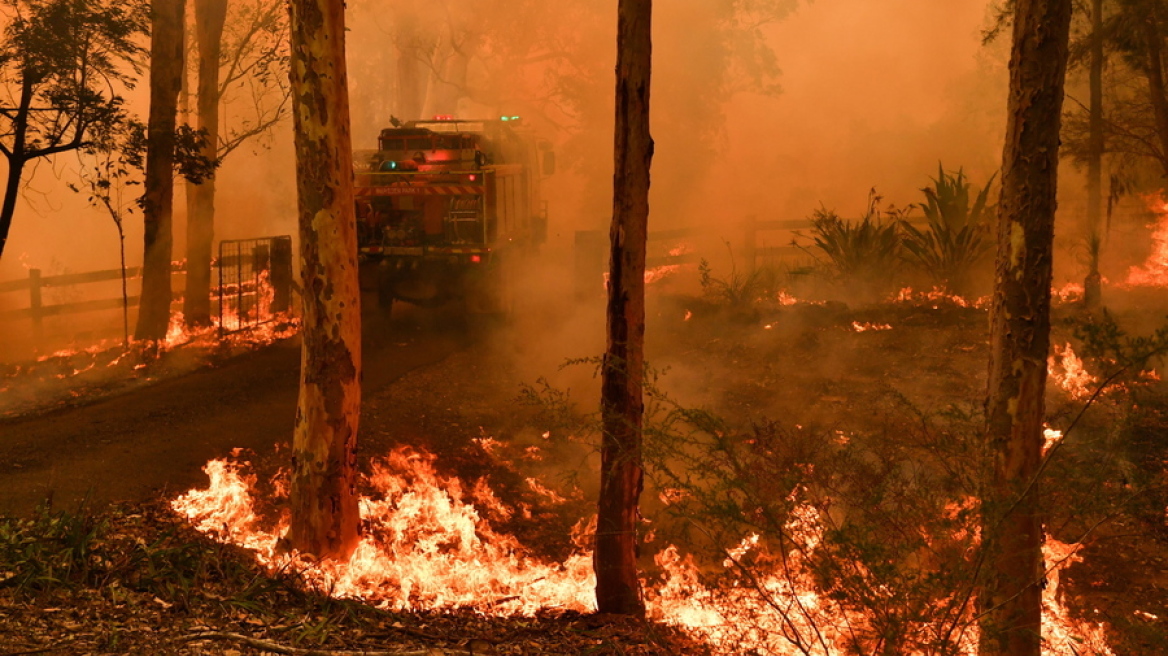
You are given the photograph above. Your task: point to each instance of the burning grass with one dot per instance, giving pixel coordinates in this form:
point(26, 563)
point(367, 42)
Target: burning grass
point(138, 580)
point(84, 373)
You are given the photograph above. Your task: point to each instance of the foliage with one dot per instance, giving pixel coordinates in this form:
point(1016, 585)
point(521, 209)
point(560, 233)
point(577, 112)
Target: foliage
point(1122, 355)
point(254, 86)
point(865, 251)
point(60, 62)
point(959, 235)
point(63, 64)
point(738, 291)
point(870, 525)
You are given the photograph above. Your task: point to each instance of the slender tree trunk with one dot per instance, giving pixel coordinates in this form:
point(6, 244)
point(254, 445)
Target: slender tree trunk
point(210, 16)
point(125, 287)
point(409, 92)
point(11, 192)
point(1093, 283)
point(323, 499)
point(166, 71)
point(17, 158)
point(1011, 597)
point(1155, 42)
point(618, 589)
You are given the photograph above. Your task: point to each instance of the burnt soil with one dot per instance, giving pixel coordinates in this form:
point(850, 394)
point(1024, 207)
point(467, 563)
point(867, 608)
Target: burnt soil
point(431, 383)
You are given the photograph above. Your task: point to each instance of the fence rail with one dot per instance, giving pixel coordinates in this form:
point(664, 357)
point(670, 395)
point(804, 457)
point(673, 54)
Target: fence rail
point(36, 283)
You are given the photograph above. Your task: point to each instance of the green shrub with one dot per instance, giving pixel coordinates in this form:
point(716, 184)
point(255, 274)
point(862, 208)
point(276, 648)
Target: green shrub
point(865, 252)
point(958, 236)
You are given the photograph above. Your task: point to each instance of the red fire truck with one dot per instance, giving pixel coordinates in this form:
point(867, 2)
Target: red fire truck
point(447, 209)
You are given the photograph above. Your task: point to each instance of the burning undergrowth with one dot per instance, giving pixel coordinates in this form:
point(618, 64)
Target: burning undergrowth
point(83, 373)
point(140, 580)
point(428, 543)
point(795, 540)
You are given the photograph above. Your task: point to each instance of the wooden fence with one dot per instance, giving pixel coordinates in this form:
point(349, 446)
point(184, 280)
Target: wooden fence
point(36, 283)
point(277, 261)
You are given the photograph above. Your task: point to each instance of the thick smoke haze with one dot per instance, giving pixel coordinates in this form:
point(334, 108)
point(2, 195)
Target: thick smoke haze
point(813, 103)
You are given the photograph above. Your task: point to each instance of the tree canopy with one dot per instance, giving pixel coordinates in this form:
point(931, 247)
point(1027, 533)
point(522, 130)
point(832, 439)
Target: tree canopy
point(63, 64)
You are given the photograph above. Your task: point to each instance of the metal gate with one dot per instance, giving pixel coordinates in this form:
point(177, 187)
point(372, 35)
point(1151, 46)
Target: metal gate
point(255, 282)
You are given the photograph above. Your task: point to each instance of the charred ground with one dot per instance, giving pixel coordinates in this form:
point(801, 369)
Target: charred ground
point(114, 580)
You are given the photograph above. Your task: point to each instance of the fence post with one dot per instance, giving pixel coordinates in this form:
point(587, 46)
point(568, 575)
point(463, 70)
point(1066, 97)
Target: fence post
point(750, 242)
point(281, 275)
point(34, 301)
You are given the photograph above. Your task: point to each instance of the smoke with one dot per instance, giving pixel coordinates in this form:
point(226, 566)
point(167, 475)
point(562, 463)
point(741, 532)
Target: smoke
point(764, 109)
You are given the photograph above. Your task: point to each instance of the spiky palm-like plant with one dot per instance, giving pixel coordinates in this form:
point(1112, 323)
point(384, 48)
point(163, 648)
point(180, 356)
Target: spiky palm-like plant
point(958, 235)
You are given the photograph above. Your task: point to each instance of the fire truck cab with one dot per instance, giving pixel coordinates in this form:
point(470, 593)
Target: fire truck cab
point(447, 208)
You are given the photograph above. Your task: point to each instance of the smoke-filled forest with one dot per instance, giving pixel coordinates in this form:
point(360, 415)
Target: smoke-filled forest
point(703, 327)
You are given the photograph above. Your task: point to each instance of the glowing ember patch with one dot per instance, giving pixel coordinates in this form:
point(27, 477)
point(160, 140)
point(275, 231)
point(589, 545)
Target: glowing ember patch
point(1068, 372)
point(864, 327)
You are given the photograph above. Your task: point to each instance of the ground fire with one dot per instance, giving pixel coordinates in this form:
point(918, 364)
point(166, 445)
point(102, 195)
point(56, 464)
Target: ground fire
point(634, 328)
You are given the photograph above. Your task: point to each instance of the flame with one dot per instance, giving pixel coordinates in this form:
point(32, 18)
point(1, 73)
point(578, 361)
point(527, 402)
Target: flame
point(658, 273)
point(936, 296)
point(1068, 293)
point(1154, 272)
point(864, 327)
point(1050, 437)
point(425, 545)
point(1068, 372)
point(1062, 634)
point(428, 544)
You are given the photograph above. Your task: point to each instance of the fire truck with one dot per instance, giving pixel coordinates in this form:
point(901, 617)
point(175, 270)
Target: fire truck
point(448, 209)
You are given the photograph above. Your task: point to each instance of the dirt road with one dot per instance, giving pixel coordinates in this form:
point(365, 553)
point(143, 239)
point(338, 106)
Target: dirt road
point(131, 446)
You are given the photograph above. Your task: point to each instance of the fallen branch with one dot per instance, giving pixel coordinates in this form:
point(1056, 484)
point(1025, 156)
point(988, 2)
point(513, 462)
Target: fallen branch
point(278, 648)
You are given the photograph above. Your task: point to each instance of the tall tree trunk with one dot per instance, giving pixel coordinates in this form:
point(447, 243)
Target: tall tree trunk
point(409, 92)
point(1093, 283)
point(324, 518)
point(210, 15)
point(166, 70)
point(11, 191)
point(618, 589)
point(1011, 597)
point(1155, 43)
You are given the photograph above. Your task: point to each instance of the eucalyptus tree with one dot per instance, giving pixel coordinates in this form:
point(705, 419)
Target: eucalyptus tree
point(1010, 598)
point(166, 64)
point(242, 93)
point(324, 519)
point(63, 67)
point(618, 588)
